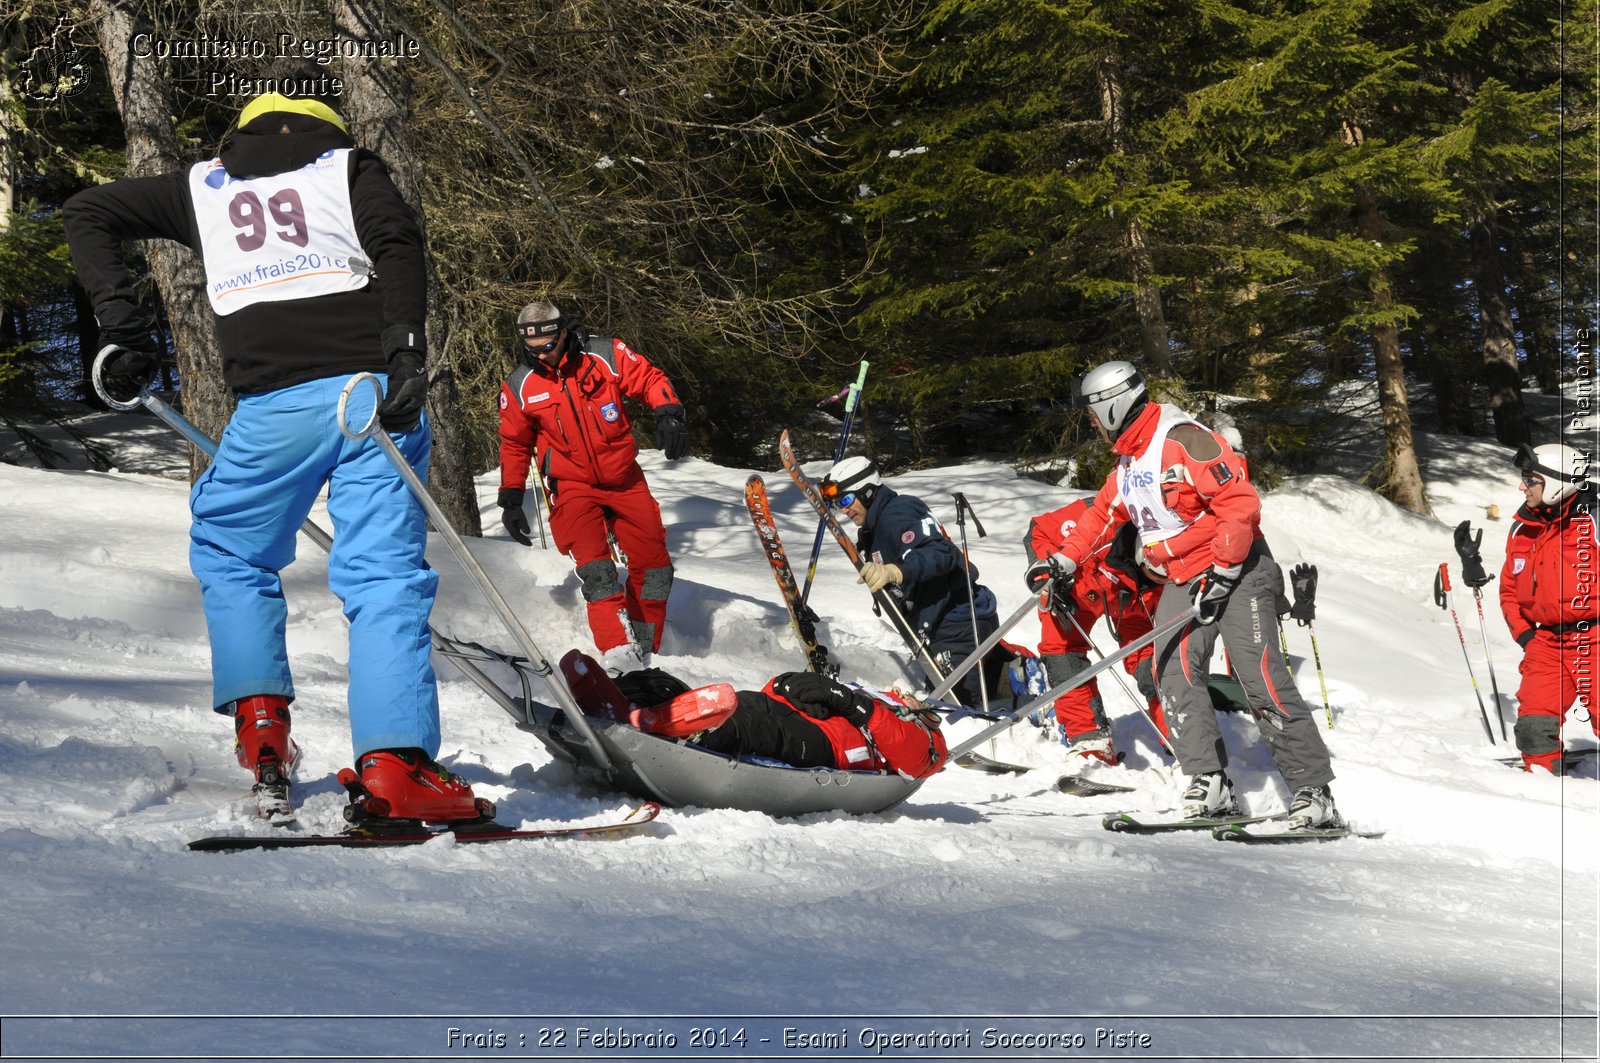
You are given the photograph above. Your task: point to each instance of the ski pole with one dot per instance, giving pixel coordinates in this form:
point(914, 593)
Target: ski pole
point(373, 430)
point(540, 503)
point(1058, 609)
point(1304, 611)
point(1049, 696)
point(852, 396)
point(1317, 656)
point(1441, 598)
point(1494, 684)
point(962, 506)
point(1473, 575)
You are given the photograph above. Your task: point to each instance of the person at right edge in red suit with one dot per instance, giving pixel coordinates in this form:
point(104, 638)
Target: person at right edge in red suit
point(1548, 597)
point(1199, 524)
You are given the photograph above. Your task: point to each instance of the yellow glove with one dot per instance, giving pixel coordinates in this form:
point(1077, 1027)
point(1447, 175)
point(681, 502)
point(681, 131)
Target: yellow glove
point(877, 576)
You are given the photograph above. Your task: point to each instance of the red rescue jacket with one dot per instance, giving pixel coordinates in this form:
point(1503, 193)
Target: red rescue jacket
point(1205, 484)
point(888, 742)
point(573, 415)
point(1551, 559)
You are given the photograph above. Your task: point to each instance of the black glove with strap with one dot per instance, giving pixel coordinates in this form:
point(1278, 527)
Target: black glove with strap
point(401, 410)
point(1215, 587)
point(1052, 575)
point(1304, 580)
point(817, 695)
point(511, 515)
point(1472, 573)
point(672, 431)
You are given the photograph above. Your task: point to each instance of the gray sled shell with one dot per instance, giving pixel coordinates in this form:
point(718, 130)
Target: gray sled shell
point(661, 770)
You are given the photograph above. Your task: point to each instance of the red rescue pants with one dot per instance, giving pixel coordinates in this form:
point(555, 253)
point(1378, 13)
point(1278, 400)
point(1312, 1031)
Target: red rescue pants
point(1556, 671)
point(580, 515)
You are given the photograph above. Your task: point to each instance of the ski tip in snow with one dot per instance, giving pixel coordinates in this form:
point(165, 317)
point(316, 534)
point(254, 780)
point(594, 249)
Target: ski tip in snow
point(979, 762)
point(1078, 786)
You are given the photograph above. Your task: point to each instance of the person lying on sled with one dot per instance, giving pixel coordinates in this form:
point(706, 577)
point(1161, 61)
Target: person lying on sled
point(799, 718)
point(811, 721)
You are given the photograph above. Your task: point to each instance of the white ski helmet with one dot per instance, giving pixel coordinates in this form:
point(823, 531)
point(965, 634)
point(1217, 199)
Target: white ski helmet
point(1564, 469)
point(850, 476)
point(1115, 392)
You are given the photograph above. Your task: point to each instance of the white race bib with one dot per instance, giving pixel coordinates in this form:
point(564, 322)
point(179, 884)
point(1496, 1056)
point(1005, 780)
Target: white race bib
point(270, 239)
point(1139, 483)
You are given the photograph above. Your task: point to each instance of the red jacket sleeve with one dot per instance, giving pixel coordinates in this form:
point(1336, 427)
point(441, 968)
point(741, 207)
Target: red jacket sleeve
point(516, 441)
point(641, 379)
point(1105, 512)
point(1510, 603)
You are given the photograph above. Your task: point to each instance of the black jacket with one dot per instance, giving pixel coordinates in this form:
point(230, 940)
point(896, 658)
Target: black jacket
point(267, 345)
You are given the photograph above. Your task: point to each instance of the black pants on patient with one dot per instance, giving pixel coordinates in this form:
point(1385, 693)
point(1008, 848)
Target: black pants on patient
point(765, 727)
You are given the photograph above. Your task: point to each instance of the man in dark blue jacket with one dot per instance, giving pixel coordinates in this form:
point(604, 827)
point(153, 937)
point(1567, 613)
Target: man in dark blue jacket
point(903, 545)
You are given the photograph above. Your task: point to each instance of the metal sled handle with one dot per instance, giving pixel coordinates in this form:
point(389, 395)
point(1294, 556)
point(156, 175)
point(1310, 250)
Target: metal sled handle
point(974, 658)
point(100, 386)
point(1049, 696)
point(441, 523)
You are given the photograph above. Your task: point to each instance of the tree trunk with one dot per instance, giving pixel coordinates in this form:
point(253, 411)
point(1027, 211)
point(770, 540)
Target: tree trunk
point(8, 136)
point(1153, 340)
point(1538, 333)
point(1500, 369)
point(1401, 480)
point(143, 101)
point(377, 106)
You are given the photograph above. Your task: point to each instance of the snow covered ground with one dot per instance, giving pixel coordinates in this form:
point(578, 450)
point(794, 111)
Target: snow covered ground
point(987, 917)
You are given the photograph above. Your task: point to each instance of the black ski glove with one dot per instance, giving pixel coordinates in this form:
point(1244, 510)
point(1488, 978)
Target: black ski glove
point(408, 390)
point(1053, 574)
point(1472, 573)
point(1304, 578)
point(819, 696)
point(511, 515)
point(1215, 587)
point(672, 431)
point(127, 369)
point(1527, 637)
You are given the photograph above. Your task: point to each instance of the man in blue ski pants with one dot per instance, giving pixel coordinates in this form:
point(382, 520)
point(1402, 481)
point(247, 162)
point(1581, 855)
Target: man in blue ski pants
point(315, 271)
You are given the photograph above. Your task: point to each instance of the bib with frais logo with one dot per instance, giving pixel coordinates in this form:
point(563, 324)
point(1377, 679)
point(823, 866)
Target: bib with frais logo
point(1139, 483)
point(269, 239)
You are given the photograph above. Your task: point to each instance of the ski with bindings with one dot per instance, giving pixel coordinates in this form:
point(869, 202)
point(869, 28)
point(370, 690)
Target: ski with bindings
point(417, 835)
point(801, 617)
point(1236, 833)
point(1078, 786)
point(885, 601)
point(979, 762)
point(1127, 823)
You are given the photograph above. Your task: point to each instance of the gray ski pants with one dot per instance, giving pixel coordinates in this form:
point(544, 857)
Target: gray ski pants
point(1248, 627)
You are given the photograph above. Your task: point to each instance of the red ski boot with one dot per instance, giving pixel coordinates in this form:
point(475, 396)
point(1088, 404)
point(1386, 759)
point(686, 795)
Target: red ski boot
point(403, 784)
point(262, 743)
